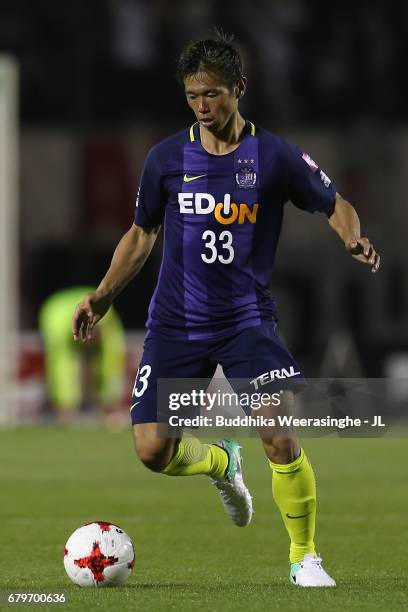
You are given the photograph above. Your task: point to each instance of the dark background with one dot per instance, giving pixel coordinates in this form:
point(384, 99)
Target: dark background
point(97, 89)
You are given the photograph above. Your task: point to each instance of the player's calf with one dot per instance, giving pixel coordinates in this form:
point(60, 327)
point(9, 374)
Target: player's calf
point(281, 447)
point(154, 452)
point(280, 441)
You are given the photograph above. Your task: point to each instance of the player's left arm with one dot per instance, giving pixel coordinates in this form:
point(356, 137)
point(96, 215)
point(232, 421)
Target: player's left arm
point(343, 219)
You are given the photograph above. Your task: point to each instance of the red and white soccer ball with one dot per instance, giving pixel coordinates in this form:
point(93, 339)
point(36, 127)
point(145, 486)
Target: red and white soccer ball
point(99, 554)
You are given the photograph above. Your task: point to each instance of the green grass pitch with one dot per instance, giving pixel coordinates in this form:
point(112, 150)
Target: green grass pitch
point(188, 556)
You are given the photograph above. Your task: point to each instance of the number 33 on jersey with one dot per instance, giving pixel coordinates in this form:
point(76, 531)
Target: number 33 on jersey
point(222, 216)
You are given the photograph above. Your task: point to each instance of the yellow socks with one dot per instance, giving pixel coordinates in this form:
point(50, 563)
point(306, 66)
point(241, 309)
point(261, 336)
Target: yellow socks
point(193, 458)
point(293, 488)
point(294, 491)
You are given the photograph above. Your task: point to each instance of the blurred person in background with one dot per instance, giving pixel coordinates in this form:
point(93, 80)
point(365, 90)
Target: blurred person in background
point(81, 377)
point(219, 187)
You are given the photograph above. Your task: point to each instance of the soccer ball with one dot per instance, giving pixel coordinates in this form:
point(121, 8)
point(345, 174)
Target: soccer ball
point(99, 554)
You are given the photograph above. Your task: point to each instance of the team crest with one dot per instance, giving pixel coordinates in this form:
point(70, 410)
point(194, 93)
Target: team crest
point(246, 178)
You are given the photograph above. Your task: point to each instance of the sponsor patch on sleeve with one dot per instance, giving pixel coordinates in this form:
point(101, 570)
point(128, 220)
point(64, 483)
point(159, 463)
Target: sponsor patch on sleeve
point(325, 179)
point(312, 164)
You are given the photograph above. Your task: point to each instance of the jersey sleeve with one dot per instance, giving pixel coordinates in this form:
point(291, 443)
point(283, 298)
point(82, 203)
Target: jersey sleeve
point(151, 197)
point(308, 187)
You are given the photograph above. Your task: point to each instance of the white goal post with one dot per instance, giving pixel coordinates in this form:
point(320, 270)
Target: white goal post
point(9, 301)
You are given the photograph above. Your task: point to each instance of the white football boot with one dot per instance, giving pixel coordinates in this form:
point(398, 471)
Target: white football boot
point(234, 494)
point(310, 573)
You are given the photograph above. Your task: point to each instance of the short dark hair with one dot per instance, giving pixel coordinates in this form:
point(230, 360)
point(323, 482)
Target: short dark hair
point(216, 55)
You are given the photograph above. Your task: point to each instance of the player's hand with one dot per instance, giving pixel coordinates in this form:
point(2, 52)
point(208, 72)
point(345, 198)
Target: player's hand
point(87, 314)
point(362, 250)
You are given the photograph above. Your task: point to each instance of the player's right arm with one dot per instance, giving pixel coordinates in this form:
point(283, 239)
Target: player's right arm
point(128, 259)
point(132, 250)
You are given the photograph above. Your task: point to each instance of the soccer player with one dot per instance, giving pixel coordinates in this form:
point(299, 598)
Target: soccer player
point(103, 360)
point(219, 188)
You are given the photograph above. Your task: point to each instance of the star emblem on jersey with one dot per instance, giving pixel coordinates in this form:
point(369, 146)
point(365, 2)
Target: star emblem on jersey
point(246, 178)
point(187, 179)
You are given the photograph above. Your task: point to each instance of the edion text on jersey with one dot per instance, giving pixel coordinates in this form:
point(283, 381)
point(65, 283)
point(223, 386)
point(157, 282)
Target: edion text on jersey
point(226, 212)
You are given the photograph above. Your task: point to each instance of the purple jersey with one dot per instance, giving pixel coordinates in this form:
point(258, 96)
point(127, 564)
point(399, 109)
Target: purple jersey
point(222, 218)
